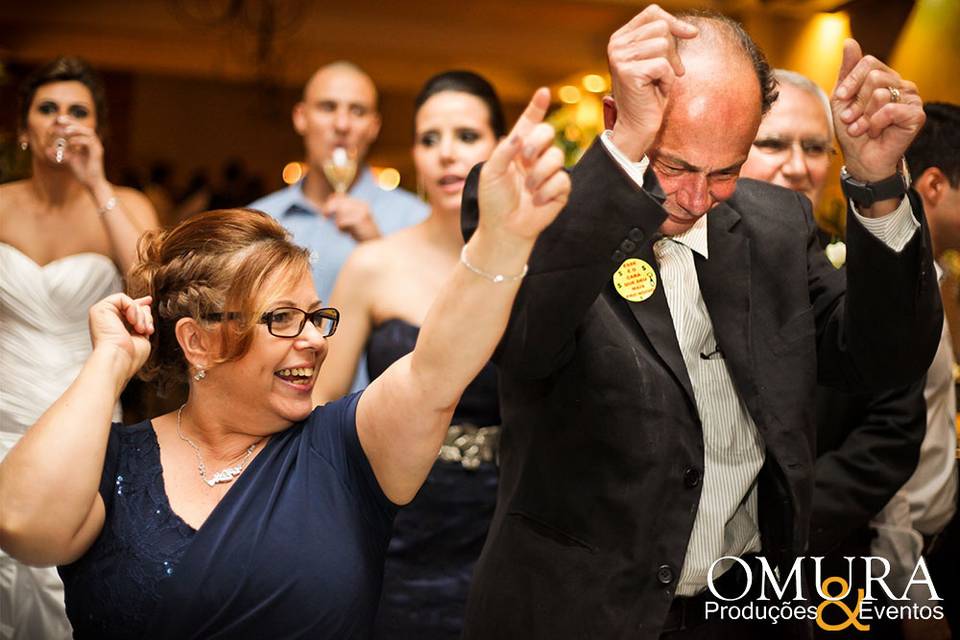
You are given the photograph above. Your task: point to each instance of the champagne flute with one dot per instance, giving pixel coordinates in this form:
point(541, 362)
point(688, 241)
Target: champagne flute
point(340, 168)
point(60, 147)
point(58, 139)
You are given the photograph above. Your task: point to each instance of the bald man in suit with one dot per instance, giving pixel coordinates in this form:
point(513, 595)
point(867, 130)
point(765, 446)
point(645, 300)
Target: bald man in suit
point(658, 372)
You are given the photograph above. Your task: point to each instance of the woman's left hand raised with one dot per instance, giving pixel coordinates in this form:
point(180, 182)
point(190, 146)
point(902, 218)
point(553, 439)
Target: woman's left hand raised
point(523, 185)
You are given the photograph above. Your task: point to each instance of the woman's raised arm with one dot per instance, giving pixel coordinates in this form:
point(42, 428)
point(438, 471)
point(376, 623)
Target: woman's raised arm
point(403, 415)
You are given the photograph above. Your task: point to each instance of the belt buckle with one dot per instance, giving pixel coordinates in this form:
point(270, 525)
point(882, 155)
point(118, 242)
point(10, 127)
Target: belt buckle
point(470, 446)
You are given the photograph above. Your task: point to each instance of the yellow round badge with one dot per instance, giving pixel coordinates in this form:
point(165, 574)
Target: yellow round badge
point(635, 280)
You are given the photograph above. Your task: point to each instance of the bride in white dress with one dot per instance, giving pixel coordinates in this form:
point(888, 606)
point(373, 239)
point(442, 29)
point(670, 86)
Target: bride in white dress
point(66, 236)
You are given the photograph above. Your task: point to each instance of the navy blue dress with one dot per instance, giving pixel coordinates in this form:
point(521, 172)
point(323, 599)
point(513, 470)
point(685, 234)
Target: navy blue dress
point(293, 550)
point(437, 538)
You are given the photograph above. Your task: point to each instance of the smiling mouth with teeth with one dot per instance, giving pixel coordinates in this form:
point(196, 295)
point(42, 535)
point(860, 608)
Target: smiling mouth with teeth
point(299, 375)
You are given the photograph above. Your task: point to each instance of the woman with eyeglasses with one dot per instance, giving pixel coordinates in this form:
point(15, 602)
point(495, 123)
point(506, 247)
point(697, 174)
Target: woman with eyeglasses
point(250, 511)
point(385, 296)
point(66, 237)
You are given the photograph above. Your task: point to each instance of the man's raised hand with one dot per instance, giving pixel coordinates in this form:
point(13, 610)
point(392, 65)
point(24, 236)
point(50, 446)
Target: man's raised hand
point(876, 113)
point(643, 67)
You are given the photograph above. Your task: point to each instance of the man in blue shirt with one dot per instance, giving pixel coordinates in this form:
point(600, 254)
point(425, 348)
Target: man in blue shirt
point(339, 109)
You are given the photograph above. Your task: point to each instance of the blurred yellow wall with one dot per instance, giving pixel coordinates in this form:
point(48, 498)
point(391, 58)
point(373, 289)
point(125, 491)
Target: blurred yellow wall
point(928, 50)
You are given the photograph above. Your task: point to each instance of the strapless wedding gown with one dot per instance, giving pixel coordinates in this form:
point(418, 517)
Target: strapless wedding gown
point(44, 341)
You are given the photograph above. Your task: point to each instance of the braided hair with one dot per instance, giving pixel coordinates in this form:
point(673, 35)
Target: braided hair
point(215, 262)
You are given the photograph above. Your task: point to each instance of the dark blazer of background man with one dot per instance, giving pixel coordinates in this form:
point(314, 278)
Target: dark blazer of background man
point(868, 443)
point(602, 451)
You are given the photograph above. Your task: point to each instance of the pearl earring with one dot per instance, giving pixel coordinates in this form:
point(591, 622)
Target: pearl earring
point(199, 375)
point(24, 145)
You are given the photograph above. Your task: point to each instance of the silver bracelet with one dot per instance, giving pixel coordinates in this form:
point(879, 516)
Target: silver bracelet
point(108, 206)
point(492, 277)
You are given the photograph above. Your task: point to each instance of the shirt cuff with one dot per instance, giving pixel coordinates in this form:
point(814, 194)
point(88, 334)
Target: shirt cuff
point(894, 229)
point(634, 169)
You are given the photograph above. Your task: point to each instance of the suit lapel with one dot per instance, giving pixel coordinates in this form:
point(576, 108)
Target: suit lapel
point(654, 317)
point(725, 285)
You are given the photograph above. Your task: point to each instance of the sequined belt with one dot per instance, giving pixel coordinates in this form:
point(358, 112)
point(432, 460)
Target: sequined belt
point(470, 445)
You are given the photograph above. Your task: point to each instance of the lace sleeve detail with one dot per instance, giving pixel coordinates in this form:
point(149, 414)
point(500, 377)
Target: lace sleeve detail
point(112, 591)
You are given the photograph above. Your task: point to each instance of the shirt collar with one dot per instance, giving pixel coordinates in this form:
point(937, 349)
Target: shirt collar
point(299, 203)
point(695, 238)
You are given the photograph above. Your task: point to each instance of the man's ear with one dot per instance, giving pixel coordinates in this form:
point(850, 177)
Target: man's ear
point(196, 343)
point(931, 185)
point(299, 117)
point(609, 112)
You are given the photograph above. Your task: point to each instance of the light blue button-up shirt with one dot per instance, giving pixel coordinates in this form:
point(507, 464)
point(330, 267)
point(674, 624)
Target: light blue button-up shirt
point(329, 247)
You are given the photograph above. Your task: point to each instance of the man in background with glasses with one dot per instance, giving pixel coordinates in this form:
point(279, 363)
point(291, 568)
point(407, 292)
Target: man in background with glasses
point(794, 144)
point(867, 443)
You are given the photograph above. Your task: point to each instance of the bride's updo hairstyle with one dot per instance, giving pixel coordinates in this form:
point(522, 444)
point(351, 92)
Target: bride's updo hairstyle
point(214, 262)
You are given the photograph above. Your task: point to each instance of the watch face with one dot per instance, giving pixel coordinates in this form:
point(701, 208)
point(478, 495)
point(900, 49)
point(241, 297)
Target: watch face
point(866, 193)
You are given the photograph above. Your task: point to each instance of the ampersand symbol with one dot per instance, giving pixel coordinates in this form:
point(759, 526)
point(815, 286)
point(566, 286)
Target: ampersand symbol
point(851, 615)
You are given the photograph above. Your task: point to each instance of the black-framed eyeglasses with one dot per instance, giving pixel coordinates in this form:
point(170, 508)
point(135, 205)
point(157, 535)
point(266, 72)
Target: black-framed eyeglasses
point(288, 322)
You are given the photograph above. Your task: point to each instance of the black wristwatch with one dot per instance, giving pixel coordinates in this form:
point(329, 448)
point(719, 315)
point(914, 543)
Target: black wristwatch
point(864, 194)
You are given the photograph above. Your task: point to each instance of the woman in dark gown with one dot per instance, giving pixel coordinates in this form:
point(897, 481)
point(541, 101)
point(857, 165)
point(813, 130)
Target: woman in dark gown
point(250, 512)
point(438, 537)
point(385, 290)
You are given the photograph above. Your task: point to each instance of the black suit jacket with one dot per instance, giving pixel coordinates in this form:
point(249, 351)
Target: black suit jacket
point(868, 445)
point(602, 450)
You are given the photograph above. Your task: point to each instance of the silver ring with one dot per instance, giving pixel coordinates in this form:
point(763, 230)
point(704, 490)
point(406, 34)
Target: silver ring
point(894, 94)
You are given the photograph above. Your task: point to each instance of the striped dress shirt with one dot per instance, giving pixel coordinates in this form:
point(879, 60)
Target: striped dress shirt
point(726, 523)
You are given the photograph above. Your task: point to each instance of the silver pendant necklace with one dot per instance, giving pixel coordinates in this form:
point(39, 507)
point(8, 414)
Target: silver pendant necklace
point(224, 475)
